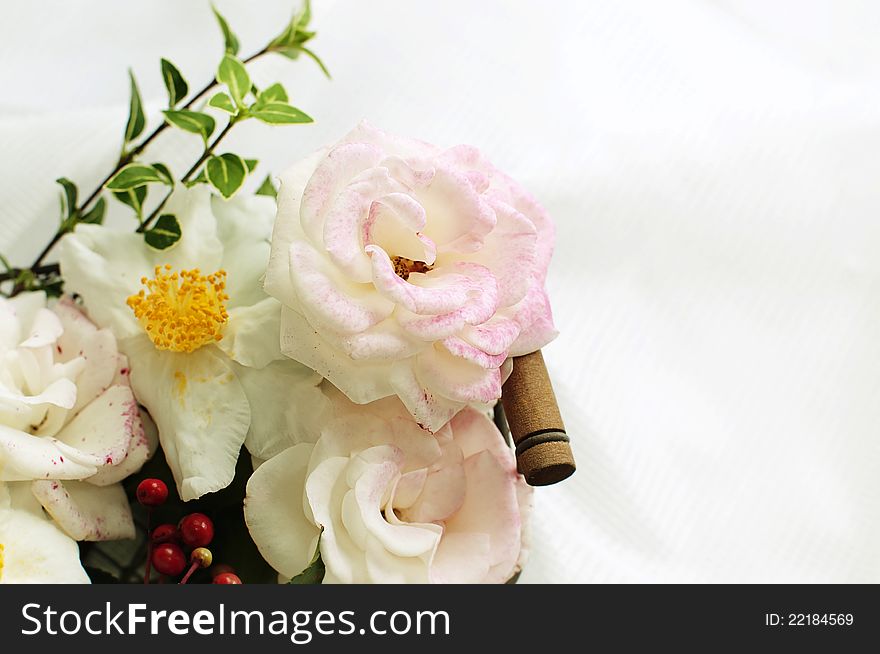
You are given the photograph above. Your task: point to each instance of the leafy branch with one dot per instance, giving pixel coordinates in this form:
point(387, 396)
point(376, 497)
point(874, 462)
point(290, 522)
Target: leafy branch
point(129, 179)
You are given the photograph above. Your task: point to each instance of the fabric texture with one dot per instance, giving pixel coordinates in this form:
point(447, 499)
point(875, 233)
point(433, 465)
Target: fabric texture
point(712, 171)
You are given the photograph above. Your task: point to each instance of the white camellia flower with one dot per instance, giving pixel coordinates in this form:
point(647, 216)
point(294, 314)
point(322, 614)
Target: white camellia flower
point(33, 549)
point(201, 334)
point(396, 504)
point(410, 270)
point(69, 424)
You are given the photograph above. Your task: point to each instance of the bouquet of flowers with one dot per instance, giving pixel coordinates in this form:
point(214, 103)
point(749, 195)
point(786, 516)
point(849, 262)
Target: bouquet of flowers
point(294, 385)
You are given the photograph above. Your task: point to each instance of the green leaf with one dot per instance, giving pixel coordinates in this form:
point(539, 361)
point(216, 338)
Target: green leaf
point(68, 204)
point(317, 60)
point(295, 33)
point(137, 174)
point(229, 38)
point(224, 102)
point(314, 573)
point(233, 74)
point(267, 188)
point(279, 113)
point(134, 198)
point(165, 172)
point(95, 216)
point(174, 82)
point(251, 164)
point(164, 234)
point(274, 93)
point(136, 119)
point(226, 173)
point(191, 121)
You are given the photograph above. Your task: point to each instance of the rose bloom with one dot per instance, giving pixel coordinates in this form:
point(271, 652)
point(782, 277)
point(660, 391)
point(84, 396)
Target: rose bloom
point(405, 269)
point(202, 336)
point(70, 429)
point(388, 503)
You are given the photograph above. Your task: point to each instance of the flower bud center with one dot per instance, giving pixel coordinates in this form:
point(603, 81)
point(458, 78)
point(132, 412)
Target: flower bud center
point(181, 311)
point(403, 267)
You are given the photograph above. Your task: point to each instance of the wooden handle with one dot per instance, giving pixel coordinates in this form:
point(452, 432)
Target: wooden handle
point(543, 453)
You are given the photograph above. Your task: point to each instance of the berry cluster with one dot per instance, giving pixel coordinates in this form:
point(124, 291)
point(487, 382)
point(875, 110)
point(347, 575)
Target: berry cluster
point(165, 549)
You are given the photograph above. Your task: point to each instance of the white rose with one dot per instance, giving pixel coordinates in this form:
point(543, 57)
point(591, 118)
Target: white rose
point(69, 424)
point(409, 270)
point(395, 503)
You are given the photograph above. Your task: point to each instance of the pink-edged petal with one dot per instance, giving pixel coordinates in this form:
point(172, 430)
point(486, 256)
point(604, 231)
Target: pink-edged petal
point(333, 302)
point(344, 222)
point(361, 380)
point(509, 251)
point(494, 336)
point(386, 341)
point(443, 492)
point(535, 318)
point(87, 512)
point(456, 378)
point(395, 223)
point(335, 171)
point(458, 217)
point(465, 350)
point(287, 227)
point(491, 508)
point(392, 144)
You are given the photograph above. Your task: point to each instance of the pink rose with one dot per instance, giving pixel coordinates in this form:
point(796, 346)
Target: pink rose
point(396, 505)
point(406, 269)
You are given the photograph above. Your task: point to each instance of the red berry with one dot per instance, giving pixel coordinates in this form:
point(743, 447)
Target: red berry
point(219, 569)
point(196, 530)
point(152, 492)
point(226, 578)
point(164, 533)
point(169, 559)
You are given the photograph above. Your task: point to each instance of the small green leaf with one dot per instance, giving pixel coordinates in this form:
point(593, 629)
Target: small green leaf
point(314, 572)
point(251, 164)
point(165, 172)
point(311, 55)
point(134, 175)
point(224, 102)
point(226, 173)
point(95, 216)
point(295, 33)
point(191, 121)
point(68, 204)
point(233, 74)
point(231, 42)
point(267, 188)
point(136, 119)
point(274, 93)
point(134, 198)
point(279, 113)
point(164, 234)
point(174, 82)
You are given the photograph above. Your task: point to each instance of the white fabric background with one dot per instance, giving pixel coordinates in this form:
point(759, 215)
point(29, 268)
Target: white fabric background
point(713, 171)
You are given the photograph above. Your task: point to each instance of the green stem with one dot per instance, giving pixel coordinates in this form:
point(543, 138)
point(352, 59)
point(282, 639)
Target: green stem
point(128, 158)
point(144, 226)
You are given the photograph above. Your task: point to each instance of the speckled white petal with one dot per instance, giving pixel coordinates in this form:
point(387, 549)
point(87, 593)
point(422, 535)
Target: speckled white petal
point(44, 330)
point(87, 512)
point(141, 447)
point(201, 411)
point(273, 511)
point(24, 457)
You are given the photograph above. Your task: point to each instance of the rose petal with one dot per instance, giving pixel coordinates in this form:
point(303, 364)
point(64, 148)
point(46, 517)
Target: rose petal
point(87, 512)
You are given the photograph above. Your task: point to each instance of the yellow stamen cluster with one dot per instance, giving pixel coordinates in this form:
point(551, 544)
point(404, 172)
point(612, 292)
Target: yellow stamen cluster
point(182, 311)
